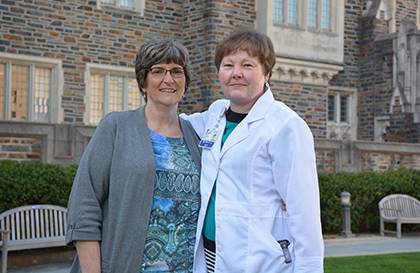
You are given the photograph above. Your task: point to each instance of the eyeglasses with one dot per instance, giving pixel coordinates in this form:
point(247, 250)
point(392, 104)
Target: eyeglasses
point(159, 72)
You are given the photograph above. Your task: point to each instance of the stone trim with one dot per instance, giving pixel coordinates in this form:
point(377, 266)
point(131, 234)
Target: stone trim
point(350, 156)
point(61, 143)
point(388, 147)
point(306, 72)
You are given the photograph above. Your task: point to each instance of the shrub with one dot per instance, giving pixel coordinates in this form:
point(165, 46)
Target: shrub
point(24, 183)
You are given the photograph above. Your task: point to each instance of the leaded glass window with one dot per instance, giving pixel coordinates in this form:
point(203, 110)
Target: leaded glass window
point(278, 11)
point(111, 91)
point(325, 14)
point(312, 13)
point(292, 12)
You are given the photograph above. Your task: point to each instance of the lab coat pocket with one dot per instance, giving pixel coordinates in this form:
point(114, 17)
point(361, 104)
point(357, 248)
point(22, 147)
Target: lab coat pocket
point(232, 225)
point(265, 253)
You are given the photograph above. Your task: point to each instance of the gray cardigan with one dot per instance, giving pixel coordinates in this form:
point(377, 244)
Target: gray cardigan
point(112, 192)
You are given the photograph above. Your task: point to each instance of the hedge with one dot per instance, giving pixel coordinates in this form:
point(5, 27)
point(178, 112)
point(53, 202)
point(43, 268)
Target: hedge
point(23, 183)
point(367, 189)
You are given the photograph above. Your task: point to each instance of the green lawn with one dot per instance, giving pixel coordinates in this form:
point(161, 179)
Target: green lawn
point(391, 263)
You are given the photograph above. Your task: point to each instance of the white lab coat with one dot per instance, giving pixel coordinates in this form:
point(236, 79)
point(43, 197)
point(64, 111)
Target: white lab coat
point(268, 157)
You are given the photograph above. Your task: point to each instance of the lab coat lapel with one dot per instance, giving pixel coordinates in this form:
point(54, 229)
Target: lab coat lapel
point(241, 131)
point(221, 119)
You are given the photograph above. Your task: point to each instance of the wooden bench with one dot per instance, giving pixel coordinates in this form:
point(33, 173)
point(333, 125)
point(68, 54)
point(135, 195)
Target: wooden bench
point(399, 209)
point(29, 227)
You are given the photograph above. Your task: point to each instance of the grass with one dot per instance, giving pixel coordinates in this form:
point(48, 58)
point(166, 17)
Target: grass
point(390, 263)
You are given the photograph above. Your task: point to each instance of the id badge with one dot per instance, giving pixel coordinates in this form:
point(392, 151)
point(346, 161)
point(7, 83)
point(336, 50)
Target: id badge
point(210, 137)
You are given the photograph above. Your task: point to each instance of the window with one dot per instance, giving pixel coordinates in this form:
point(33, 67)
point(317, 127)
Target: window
point(110, 89)
point(344, 108)
point(342, 117)
point(286, 11)
point(331, 108)
point(312, 13)
point(319, 15)
point(26, 85)
point(278, 11)
point(137, 5)
point(338, 107)
point(325, 15)
point(120, 3)
point(292, 16)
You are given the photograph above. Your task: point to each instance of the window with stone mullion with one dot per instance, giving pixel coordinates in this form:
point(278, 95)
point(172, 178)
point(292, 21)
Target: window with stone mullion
point(111, 92)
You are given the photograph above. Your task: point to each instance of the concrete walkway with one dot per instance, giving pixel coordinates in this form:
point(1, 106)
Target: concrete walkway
point(336, 247)
point(370, 245)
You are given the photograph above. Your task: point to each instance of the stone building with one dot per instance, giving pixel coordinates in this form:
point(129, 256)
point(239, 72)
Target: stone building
point(350, 68)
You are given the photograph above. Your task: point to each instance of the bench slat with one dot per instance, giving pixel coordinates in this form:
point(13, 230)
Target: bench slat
point(42, 226)
point(50, 228)
point(13, 227)
point(55, 223)
point(60, 224)
point(32, 216)
point(22, 221)
point(28, 230)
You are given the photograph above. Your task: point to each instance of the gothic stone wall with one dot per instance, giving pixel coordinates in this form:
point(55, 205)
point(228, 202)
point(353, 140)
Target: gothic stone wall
point(405, 10)
point(349, 76)
point(310, 102)
point(20, 148)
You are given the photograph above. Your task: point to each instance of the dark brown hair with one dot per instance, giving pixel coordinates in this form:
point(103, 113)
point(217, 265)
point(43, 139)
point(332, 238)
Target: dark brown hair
point(156, 52)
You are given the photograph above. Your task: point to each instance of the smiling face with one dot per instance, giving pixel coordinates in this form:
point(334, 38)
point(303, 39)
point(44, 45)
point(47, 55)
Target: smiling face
point(242, 80)
point(165, 86)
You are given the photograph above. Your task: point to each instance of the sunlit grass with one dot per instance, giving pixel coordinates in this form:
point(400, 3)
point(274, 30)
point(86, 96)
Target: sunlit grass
point(390, 263)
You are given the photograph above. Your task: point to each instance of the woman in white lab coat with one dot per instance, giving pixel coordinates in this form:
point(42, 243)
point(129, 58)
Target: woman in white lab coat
point(257, 154)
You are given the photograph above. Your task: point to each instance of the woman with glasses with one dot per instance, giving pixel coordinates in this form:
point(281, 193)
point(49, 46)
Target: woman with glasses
point(135, 198)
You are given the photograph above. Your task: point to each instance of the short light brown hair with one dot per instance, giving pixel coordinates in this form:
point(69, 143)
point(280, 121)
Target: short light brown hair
point(254, 43)
point(157, 52)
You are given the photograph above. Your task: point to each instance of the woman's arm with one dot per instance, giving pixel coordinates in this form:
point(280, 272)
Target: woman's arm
point(293, 161)
point(198, 121)
point(89, 190)
point(89, 256)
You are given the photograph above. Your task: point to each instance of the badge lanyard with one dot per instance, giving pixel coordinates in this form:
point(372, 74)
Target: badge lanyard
point(211, 135)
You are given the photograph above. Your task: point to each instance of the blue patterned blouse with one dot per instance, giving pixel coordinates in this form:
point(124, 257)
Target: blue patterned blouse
point(176, 202)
